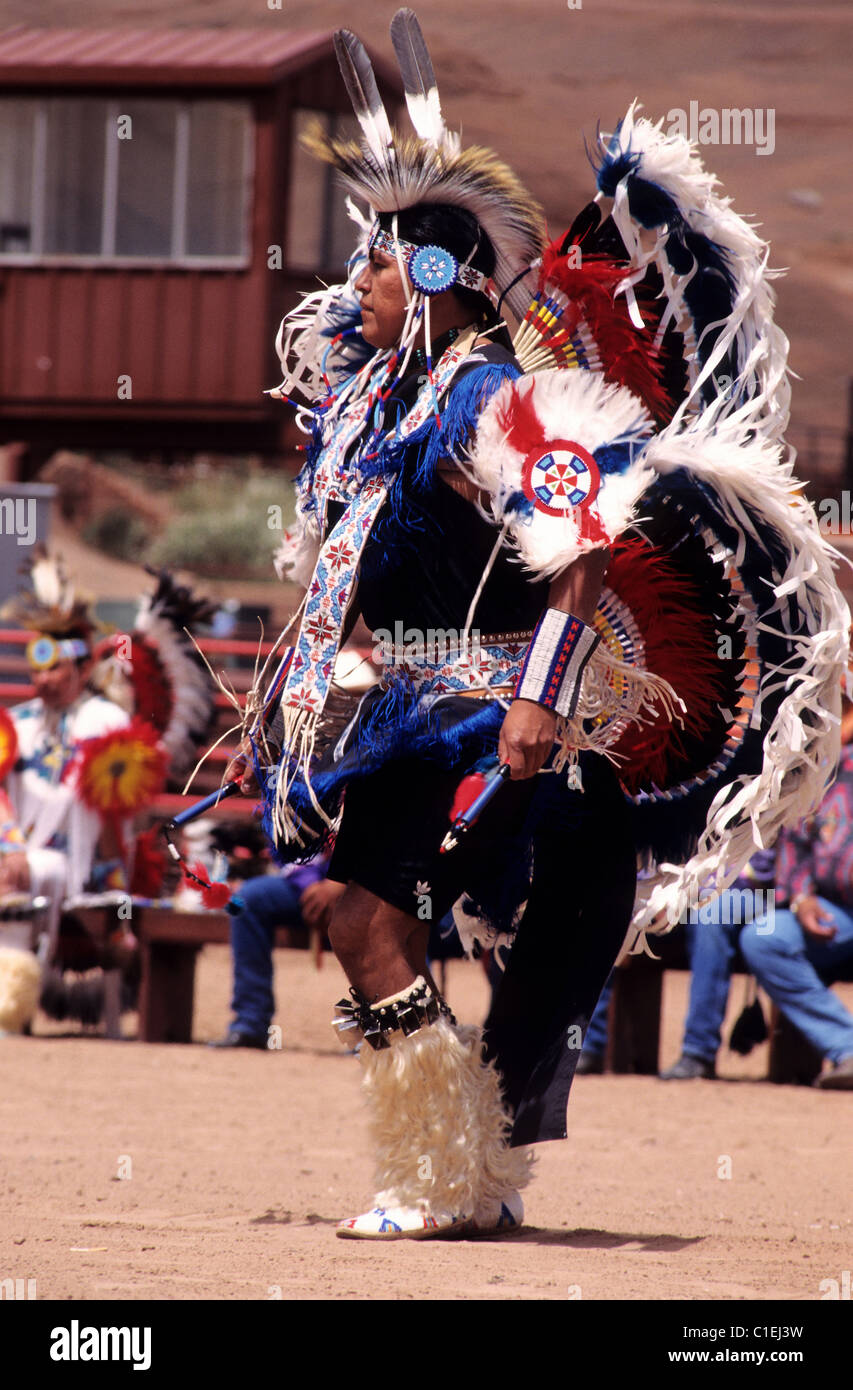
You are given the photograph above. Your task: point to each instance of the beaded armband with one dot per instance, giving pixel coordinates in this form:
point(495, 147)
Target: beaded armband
point(413, 1008)
point(555, 662)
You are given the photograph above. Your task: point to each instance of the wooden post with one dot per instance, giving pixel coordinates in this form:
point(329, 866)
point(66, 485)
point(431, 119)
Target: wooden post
point(633, 1020)
point(166, 991)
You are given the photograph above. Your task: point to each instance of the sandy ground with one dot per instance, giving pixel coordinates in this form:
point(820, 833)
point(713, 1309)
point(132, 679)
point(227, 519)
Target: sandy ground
point(133, 1171)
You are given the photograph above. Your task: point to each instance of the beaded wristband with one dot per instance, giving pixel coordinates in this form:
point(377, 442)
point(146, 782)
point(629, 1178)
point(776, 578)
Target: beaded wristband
point(555, 662)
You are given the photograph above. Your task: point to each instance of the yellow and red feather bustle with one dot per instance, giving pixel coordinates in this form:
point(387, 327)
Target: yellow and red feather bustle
point(118, 773)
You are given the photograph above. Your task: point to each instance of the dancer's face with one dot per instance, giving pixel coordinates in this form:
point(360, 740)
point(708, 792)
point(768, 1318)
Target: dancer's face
point(383, 305)
point(59, 685)
point(383, 300)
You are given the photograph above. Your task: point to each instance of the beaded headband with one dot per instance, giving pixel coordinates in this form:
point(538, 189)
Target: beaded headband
point(44, 652)
point(432, 270)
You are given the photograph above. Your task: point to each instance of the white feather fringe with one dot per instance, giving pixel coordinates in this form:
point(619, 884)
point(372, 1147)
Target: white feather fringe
point(438, 1123)
point(673, 163)
point(802, 744)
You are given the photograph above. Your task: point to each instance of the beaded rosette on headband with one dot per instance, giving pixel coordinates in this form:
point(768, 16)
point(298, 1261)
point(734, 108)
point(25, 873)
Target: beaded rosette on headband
point(43, 652)
point(431, 269)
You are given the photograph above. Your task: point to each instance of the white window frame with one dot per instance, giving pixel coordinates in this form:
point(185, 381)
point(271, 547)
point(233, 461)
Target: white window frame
point(179, 257)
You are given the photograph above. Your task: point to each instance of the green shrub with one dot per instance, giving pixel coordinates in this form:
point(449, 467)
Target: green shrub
point(222, 525)
point(120, 533)
point(223, 530)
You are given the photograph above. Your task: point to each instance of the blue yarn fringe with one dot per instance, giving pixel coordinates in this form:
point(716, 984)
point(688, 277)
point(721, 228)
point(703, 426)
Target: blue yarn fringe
point(392, 724)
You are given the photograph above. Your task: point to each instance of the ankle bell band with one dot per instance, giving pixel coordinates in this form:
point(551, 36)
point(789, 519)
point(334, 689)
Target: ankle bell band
point(406, 1012)
point(555, 662)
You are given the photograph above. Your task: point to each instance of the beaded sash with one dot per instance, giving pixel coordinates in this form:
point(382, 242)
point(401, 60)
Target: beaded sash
point(332, 586)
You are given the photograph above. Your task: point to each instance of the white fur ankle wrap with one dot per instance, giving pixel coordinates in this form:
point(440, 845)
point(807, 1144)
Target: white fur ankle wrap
point(438, 1123)
point(20, 987)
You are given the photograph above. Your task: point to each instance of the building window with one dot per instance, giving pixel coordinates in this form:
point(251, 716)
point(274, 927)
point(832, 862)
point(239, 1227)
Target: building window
point(68, 176)
point(17, 140)
point(148, 180)
point(145, 184)
point(321, 235)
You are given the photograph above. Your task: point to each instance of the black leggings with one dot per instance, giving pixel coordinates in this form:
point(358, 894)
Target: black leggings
point(578, 912)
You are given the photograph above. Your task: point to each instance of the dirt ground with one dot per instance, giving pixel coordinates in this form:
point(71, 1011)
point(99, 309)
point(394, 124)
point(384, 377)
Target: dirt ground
point(134, 1171)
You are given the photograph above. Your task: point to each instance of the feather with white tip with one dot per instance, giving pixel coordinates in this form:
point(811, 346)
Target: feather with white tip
point(418, 76)
point(50, 605)
point(50, 582)
point(359, 78)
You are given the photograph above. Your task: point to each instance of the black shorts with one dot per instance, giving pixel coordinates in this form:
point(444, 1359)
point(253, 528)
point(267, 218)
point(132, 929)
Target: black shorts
point(394, 821)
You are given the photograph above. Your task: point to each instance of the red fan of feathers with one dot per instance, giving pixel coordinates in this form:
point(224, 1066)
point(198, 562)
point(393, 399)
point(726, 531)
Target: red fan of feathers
point(672, 619)
point(576, 318)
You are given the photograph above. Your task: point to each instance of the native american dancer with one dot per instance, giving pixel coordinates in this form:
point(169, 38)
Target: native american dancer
point(584, 555)
point(90, 750)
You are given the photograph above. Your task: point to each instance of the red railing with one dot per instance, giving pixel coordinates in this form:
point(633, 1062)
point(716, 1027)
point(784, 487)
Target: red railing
point(168, 803)
point(210, 646)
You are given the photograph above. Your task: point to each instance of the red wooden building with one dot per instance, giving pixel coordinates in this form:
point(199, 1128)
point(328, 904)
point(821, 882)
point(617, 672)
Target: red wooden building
point(156, 218)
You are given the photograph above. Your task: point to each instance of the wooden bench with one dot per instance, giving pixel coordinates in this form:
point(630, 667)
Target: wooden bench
point(169, 943)
point(634, 1015)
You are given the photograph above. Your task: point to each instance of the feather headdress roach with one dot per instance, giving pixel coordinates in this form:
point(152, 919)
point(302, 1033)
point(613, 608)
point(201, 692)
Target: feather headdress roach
point(51, 604)
point(391, 173)
point(413, 172)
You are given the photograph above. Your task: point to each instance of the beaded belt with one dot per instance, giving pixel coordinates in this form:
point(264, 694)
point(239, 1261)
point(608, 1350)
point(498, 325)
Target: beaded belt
point(480, 666)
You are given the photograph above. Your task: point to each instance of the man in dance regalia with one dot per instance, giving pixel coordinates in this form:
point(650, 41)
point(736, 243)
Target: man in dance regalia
point(82, 757)
point(608, 585)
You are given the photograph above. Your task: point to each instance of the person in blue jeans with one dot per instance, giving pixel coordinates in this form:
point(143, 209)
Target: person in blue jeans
point(591, 1060)
point(812, 940)
point(300, 896)
point(792, 963)
point(712, 939)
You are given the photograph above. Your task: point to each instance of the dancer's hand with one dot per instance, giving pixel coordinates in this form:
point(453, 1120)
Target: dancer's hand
point(526, 738)
point(241, 769)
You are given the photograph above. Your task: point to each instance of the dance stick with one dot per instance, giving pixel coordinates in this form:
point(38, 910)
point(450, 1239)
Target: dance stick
point(473, 811)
